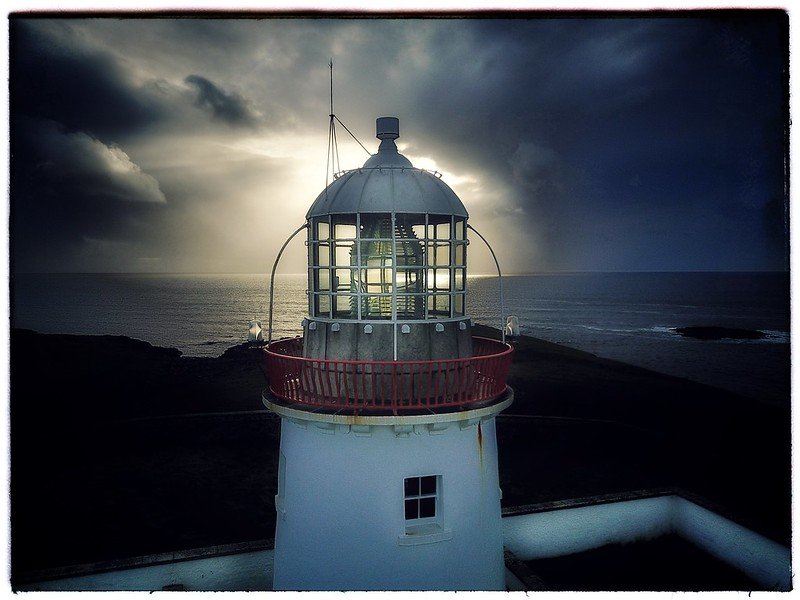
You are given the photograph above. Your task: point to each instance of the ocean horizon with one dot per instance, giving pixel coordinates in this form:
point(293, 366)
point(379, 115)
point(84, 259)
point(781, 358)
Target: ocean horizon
point(625, 316)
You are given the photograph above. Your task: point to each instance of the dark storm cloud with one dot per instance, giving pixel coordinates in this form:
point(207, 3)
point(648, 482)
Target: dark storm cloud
point(225, 106)
point(591, 122)
point(54, 76)
point(71, 187)
point(592, 143)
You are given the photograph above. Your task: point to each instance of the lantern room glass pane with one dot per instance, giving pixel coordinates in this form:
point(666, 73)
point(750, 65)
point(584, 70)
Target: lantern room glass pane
point(342, 252)
point(460, 252)
point(438, 254)
point(343, 305)
point(344, 231)
point(323, 255)
point(376, 307)
point(376, 253)
point(438, 280)
point(443, 255)
point(439, 227)
point(323, 229)
point(323, 305)
point(459, 279)
point(439, 305)
point(376, 281)
point(410, 253)
point(411, 306)
point(458, 307)
point(344, 280)
point(376, 226)
point(409, 281)
point(409, 225)
point(323, 283)
point(460, 229)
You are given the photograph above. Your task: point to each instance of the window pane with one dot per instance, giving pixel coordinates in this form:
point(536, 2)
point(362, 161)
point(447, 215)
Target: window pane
point(443, 255)
point(409, 281)
point(443, 231)
point(343, 232)
point(342, 253)
point(377, 281)
point(342, 279)
point(377, 226)
point(323, 258)
point(438, 280)
point(411, 486)
point(439, 306)
point(442, 279)
point(412, 509)
point(342, 304)
point(324, 305)
point(460, 229)
point(460, 254)
point(427, 508)
point(410, 252)
point(428, 485)
point(376, 307)
point(459, 275)
point(323, 230)
point(419, 231)
point(411, 307)
point(324, 280)
point(442, 304)
point(459, 307)
point(376, 253)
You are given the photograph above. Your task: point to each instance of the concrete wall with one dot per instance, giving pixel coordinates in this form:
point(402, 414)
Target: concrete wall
point(560, 532)
point(763, 560)
point(246, 571)
point(341, 522)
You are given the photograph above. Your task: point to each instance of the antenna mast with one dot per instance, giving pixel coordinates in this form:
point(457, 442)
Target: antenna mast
point(332, 165)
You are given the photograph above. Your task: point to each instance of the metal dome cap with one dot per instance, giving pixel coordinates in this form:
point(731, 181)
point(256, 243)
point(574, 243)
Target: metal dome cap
point(387, 182)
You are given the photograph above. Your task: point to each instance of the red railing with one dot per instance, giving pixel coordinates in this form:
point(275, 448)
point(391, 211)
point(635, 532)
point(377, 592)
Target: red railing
point(380, 386)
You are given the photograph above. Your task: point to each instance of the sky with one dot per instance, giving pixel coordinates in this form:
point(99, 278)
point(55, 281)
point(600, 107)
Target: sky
point(592, 143)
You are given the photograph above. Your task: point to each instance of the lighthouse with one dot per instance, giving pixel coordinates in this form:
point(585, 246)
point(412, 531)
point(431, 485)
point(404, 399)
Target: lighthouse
point(388, 470)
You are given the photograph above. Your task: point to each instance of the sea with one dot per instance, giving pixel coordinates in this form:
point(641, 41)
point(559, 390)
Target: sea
point(629, 317)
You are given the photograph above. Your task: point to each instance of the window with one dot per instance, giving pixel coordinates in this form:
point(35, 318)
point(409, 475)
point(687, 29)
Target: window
point(422, 505)
point(421, 498)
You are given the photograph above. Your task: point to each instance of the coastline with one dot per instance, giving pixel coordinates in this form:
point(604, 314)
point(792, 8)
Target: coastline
point(120, 448)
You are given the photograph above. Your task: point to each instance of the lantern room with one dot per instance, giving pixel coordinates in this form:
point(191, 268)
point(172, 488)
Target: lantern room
point(387, 262)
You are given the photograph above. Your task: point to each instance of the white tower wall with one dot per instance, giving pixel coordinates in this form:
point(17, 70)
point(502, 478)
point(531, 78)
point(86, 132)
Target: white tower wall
point(341, 523)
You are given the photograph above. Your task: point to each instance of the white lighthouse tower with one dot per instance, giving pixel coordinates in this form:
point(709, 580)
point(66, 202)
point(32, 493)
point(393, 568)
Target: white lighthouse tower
point(388, 457)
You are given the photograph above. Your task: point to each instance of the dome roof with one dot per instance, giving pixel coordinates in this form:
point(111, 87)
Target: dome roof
point(387, 182)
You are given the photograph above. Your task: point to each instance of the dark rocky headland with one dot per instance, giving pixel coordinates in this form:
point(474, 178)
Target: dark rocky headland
point(121, 449)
